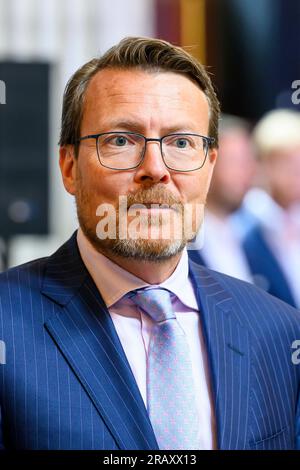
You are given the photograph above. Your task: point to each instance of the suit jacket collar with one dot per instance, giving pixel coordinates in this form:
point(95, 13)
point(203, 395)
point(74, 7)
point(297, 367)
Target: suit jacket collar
point(83, 330)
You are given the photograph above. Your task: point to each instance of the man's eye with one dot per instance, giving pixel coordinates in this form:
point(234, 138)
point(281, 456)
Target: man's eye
point(119, 140)
point(181, 143)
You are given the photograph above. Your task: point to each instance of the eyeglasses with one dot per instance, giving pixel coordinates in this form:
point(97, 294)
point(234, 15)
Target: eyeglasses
point(126, 150)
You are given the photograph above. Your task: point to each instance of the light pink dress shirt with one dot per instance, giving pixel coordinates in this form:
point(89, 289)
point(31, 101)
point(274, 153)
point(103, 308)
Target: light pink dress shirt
point(134, 327)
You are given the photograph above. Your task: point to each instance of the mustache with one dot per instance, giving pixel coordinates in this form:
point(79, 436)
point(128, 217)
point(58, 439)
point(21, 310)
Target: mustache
point(154, 195)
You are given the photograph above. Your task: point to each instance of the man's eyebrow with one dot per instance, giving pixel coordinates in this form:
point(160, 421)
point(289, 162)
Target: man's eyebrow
point(127, 125)
point(134, 126)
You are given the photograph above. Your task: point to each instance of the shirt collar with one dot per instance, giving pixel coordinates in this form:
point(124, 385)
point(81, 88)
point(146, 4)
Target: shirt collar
point(114, 282)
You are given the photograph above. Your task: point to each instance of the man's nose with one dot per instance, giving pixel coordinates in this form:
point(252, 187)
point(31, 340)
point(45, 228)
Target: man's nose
point(152, 169)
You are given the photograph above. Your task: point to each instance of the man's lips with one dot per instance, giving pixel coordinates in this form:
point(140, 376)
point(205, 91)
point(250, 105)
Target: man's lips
point(151, 206)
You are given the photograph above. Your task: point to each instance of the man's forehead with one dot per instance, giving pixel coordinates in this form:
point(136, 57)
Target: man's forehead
point(165, 99)
point(129, 84)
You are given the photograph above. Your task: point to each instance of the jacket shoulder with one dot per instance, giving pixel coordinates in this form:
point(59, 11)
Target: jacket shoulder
point(25, 275)
point(251, 301)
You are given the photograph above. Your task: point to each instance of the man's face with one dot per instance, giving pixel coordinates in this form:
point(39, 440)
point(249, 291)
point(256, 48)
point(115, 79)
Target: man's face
point(152, 104)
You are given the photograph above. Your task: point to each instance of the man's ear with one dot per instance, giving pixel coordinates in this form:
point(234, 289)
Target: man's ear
point(213, 155)
point(68, 167)
point(212, 158)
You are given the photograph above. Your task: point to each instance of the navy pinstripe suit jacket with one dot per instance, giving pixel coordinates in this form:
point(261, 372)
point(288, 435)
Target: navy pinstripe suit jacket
point(67, 384)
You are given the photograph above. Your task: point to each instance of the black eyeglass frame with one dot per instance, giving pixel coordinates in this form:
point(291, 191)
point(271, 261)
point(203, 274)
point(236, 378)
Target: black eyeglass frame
point(208, 140)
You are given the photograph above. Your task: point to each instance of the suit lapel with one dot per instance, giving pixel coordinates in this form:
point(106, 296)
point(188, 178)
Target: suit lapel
point(84, 332)
point(228, 351)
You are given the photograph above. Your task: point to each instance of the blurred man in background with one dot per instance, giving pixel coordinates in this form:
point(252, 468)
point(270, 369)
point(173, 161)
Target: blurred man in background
point(233, 176)
point(273, 245)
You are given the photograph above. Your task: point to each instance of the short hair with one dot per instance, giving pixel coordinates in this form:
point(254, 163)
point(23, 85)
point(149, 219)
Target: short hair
point(278, 130)
point(146, 54)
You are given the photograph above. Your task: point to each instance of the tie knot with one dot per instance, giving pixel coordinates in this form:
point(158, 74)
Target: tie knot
point(155, 302)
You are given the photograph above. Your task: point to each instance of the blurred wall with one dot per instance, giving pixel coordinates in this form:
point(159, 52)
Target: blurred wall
point(254, 53)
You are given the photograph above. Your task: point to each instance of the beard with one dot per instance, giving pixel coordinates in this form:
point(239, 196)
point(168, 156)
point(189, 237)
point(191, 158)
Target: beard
point(142, 246)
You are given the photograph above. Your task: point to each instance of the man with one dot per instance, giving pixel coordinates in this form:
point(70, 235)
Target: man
point(116, 342)
point(225, 219)
point(273, 245)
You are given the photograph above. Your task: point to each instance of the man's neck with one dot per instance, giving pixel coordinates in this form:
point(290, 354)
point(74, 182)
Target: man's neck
point(152, 272)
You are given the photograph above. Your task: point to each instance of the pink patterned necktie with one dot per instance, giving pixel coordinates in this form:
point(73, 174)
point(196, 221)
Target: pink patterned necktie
point(170, 385)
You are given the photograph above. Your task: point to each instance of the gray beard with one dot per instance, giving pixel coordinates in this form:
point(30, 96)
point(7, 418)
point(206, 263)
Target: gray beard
point(154, 250)
point(140, 249)
point(146, 250)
